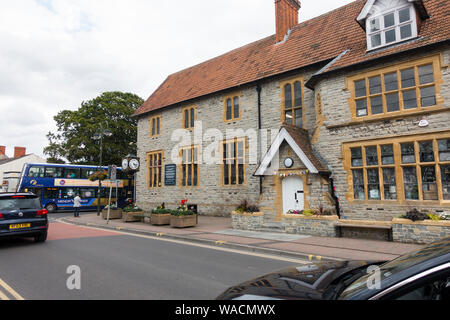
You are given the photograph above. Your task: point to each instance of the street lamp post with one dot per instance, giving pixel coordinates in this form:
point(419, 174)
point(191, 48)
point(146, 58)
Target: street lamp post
point(99, 136)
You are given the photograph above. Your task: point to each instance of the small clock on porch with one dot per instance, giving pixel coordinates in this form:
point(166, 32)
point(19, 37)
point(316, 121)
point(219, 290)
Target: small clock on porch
point(288, 162)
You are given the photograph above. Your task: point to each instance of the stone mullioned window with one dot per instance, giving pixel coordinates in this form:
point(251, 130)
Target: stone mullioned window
point(154, 169)
point(189, 166)
point(155, 126)
point(232, 108)
point(189, 117)
point(397, 90)
point(415, 168)
point(292, 102)
point(233, 162)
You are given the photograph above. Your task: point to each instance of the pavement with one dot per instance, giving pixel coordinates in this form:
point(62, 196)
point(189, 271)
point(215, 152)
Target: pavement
point(217, 231)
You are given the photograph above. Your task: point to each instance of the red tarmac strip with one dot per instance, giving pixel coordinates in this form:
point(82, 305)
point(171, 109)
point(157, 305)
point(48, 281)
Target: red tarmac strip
point(60, 231)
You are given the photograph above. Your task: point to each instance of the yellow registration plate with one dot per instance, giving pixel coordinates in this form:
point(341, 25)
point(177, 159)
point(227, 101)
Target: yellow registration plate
point(19, 226)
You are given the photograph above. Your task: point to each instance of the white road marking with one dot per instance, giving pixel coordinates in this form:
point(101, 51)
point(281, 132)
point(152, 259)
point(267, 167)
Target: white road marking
point(246, 253)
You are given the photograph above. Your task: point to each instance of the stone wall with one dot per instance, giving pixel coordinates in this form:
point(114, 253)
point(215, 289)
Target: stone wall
point(247, 221)
point(323, 226)
point(404, 230)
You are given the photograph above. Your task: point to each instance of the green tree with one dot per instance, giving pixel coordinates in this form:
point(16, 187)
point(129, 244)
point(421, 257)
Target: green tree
point(73, 139)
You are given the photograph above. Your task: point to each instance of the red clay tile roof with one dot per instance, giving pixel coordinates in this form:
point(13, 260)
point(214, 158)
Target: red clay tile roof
point(301, 138)
point(433, 30)
point(317, 40)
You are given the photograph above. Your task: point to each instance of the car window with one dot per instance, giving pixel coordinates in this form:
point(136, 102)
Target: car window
point(433, 288)
point(400, 264)
point(19, 203)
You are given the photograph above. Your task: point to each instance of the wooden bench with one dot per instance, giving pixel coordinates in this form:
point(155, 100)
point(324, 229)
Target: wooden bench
point(380, 225)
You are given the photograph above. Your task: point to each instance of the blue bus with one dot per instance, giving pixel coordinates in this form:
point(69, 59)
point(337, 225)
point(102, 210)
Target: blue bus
point(57, 184)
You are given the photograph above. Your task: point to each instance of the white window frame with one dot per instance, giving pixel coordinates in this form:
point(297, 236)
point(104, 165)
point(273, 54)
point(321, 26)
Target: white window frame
point(397, 25)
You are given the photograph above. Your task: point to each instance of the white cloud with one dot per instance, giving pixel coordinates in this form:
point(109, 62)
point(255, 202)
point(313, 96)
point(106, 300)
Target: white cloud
point(54, 54)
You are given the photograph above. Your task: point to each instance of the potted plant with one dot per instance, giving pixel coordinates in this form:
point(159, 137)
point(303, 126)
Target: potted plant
point(160, 216)
point(132, 213)
point(182, 217)
point(246, 208)
point(98, 175)
point(420, 227)
point(114, 212)
point(247, 216)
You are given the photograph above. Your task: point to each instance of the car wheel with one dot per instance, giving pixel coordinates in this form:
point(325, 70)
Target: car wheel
point(51, 208)
point(41, 238)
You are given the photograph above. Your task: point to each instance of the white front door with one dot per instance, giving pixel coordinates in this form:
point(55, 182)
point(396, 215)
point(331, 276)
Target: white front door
point(293, 196)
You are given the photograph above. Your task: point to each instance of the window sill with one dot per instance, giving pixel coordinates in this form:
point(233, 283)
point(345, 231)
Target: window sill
point(392, 45)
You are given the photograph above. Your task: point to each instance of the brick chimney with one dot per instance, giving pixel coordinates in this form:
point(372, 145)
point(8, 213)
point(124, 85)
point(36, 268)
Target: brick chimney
point(286, 17)
point(19, 152)
point(2, 150)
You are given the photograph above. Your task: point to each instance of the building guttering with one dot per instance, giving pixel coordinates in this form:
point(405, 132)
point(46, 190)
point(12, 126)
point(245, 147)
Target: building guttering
point(258, 90)
point(248, 84)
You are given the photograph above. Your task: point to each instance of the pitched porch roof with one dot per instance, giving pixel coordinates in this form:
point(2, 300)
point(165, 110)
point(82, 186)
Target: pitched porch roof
point(298, 140)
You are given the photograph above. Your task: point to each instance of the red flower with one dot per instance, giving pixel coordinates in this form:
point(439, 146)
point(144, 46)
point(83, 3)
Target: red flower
point(183, 202)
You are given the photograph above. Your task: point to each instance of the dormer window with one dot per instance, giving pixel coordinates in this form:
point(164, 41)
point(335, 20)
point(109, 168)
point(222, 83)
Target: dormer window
point(392, 26)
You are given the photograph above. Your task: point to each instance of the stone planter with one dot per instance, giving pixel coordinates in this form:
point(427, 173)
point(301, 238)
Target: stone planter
point(136, 216)
point(113, 214)
point(183, 221)
point(426, 231)
point(323, 226)
point(160, 219)
point(247, 220)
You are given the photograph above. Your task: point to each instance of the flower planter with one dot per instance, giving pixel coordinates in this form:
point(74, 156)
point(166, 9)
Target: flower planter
point(135, 216)
point(113, 214)
point(160, 219)
point(183, 221)
point(425, 231)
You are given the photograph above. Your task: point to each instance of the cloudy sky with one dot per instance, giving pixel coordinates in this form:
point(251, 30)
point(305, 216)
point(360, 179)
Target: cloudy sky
point(54, 54)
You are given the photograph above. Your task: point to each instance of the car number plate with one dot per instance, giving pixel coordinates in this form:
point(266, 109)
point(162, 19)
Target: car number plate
point(19, 226)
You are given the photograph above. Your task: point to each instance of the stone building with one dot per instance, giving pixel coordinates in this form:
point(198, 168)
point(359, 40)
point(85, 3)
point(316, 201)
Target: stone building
point(347, 112)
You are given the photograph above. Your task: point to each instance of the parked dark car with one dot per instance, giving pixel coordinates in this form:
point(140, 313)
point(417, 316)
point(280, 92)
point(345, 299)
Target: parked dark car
point(420, 275)
point(22, 215)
